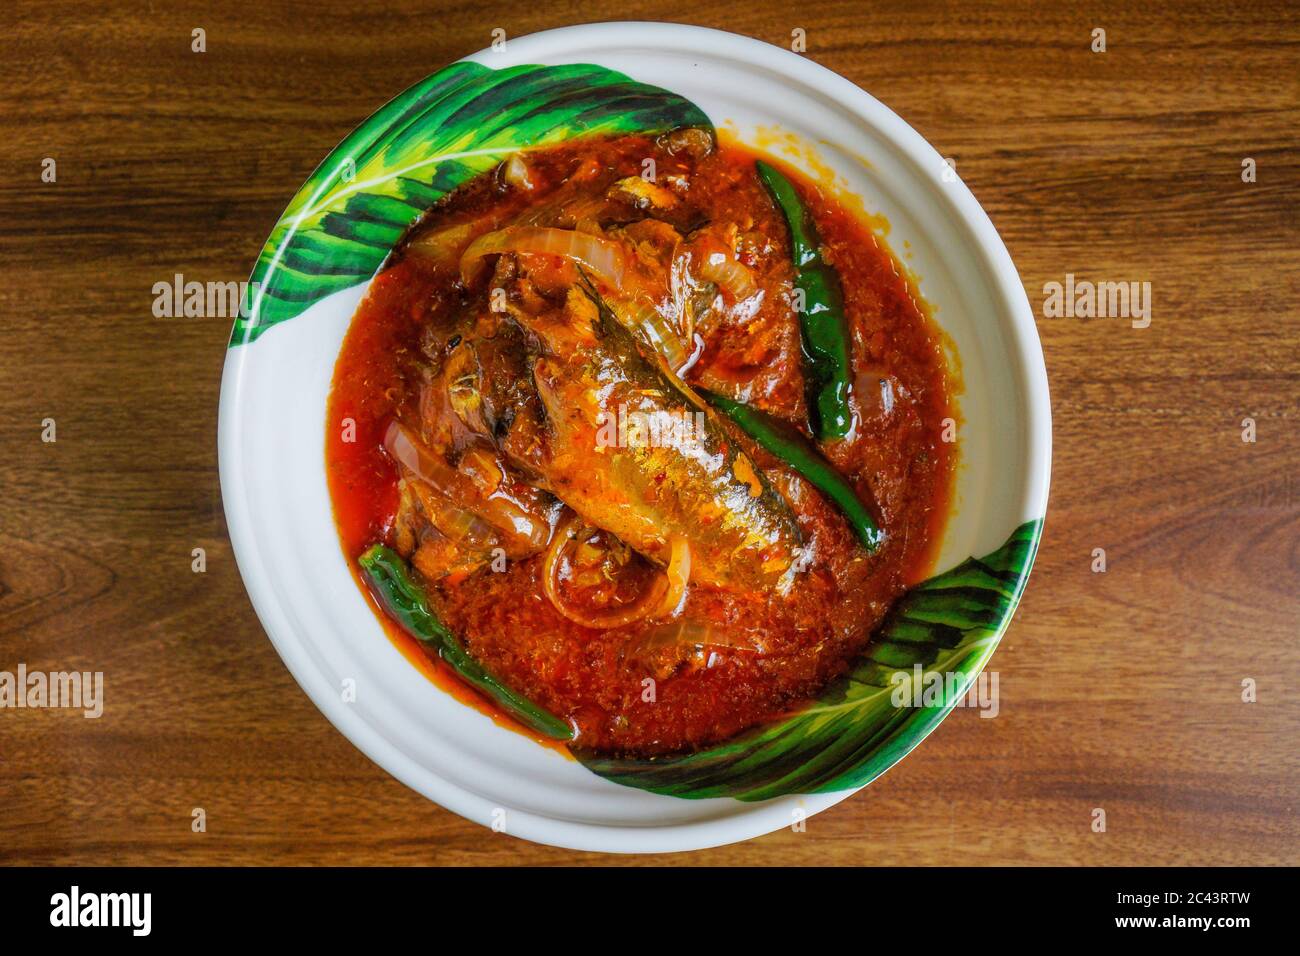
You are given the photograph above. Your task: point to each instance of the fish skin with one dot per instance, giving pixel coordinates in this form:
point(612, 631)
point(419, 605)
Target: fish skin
point(705, 489)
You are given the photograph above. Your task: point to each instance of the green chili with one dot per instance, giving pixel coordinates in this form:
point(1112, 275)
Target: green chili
point(824, 327)
point(397, 592)
point(792, 447)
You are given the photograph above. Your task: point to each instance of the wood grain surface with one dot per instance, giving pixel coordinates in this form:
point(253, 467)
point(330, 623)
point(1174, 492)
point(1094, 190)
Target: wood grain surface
point(1119, 691)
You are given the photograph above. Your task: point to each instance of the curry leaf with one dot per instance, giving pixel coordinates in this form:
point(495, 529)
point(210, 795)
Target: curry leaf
point(853, 732)
point(440, 133)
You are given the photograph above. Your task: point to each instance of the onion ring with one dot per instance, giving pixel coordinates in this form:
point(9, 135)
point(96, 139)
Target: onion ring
point(600, 256)
point(654, 600)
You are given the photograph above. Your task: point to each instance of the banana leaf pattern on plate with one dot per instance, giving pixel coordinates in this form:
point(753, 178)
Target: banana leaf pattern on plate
point(440, 133)
point(854, 732)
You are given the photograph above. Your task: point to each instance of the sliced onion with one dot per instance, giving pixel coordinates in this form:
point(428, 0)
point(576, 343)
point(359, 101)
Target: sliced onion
point(525, 532)
point(599, 256)
point(516, 173)
point(678, 576)
point(443, 247)
point(412, 454)
point(482, 468)
point(689, 632)
point(649, 602)
point(461, 527)
point(642, 318)
point(731, 275)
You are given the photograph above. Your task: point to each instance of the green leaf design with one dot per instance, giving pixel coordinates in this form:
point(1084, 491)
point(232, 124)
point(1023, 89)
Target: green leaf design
point(850, 735)
point(440, 133)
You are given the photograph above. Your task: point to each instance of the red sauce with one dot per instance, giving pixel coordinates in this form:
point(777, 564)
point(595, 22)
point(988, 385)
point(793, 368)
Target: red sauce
point(895, 457)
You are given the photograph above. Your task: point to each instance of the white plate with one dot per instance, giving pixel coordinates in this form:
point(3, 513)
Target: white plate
point(272, 427)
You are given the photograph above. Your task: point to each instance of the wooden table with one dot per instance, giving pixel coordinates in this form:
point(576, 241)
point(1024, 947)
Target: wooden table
point(1119, 690)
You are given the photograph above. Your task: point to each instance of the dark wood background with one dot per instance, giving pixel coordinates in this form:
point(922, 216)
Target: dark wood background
point(1119, 690)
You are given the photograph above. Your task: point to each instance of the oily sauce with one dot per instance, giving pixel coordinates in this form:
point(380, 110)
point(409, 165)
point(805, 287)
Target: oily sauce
point(767, 652)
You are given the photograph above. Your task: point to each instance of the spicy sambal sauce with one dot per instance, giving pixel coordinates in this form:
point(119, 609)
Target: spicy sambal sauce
point(658, 599)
